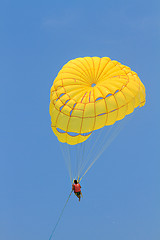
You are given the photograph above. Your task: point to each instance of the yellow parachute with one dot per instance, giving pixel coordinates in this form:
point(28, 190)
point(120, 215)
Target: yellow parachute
point(90, 93)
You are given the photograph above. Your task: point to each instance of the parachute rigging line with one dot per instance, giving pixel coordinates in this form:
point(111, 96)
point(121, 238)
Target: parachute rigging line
point(106, 144)
point(60, 216)
point(67, 162)
point(94, 148)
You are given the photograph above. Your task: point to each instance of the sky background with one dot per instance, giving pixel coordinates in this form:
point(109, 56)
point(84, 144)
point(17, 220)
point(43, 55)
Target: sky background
point(122, 190)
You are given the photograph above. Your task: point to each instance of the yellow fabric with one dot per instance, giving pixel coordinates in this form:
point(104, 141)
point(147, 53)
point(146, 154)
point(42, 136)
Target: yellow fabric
point(77, 108)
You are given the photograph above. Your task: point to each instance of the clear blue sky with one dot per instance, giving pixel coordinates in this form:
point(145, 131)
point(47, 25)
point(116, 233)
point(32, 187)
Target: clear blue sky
point(122, 190)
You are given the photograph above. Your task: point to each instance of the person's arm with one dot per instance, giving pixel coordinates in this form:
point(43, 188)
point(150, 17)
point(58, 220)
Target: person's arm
point(72, 186)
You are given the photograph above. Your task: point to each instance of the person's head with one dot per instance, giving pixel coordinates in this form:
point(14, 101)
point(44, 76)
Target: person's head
point(75, 181)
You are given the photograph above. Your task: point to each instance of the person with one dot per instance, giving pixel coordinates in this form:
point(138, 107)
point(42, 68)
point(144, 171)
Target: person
point(76, 187)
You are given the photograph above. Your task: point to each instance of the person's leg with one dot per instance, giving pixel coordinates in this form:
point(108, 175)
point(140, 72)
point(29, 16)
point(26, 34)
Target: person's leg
point(78, 195)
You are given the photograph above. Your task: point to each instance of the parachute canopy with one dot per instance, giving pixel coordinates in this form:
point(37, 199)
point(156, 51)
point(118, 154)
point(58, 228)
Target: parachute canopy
point(90, 93)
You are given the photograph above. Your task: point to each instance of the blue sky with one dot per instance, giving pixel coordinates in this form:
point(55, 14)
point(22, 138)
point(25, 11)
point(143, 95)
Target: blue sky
point(122, 190)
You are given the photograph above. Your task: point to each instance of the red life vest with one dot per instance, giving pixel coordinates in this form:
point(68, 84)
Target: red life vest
point(77, 187)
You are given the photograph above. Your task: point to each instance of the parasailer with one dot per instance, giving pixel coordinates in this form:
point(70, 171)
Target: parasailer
point(90, 94)
point(76, 187)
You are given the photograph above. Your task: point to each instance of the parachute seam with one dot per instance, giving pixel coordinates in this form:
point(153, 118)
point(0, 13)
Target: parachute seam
point(110, 78)
point(82, 119)
point(73, 89)
point(73, 74)
point(103, 70)
point(105, 105)
point(74, 78)
point(78, 59)
point(79, 66)
point(98, 69)
point(91, 77)
point(93, 68)
point(84, 66)
point(71, 67)
point(109, 72)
